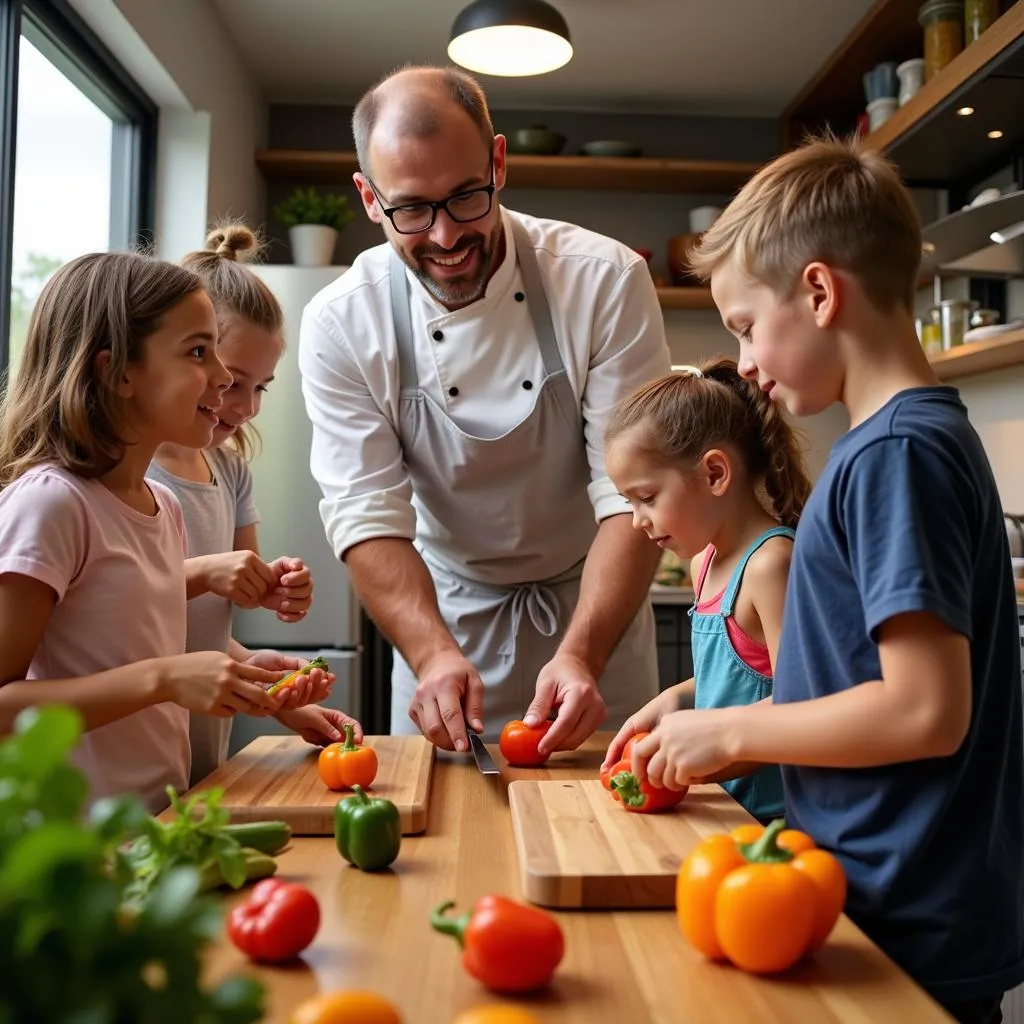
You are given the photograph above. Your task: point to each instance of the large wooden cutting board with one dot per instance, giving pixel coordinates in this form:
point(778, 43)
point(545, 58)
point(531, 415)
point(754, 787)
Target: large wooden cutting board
point(275, 778)
point(577, 847)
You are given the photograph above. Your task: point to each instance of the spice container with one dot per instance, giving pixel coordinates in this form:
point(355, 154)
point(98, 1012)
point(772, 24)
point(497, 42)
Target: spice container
point(955, 314)
point(943, 24)
point(931, 332)
point(978, 16)
point(911, 76)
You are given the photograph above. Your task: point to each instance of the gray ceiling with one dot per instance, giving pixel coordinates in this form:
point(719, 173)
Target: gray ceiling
point(729, 57)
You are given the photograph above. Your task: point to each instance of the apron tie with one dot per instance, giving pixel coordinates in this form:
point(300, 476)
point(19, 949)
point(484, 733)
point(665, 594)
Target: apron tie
point(539, 604)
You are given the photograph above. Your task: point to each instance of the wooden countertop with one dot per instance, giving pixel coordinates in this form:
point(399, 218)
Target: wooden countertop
point(631, 966)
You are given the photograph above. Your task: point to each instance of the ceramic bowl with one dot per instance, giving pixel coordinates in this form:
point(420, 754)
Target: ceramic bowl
point(538, 140)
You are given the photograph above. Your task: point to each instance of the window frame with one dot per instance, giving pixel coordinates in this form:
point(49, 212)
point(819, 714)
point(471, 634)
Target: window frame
point(60, 34)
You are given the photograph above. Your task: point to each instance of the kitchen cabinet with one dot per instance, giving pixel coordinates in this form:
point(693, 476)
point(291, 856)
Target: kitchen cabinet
point(672, 633)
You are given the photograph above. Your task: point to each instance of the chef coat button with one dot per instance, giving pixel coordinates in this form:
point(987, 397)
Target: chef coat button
point(519, 296)
point(453, 392)
point(527, 384)
point(438, 335)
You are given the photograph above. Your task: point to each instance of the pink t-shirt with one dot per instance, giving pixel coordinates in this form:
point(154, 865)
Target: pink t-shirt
point(119, 576)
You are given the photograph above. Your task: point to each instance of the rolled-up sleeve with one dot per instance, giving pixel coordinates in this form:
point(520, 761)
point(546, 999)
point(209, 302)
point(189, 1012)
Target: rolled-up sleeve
point(356, 455)
point(628, 349)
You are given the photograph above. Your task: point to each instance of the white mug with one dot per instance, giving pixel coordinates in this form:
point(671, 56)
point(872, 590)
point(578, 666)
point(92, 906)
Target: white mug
point(702, 217)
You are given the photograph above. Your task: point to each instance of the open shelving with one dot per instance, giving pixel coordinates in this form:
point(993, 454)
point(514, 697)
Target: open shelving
point(637, 174)
point(980, 356)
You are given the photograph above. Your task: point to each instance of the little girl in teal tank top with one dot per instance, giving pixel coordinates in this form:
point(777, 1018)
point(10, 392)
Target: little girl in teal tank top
point(710, 467)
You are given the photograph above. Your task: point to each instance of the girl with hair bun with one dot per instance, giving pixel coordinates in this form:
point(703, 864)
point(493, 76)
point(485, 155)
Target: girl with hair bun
point(214, 487)
point(715, 474)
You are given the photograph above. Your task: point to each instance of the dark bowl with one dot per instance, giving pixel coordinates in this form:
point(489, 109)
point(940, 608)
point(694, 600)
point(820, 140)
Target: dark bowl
point(537, 140)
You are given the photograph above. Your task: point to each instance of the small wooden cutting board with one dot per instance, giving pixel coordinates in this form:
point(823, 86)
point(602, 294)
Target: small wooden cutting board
point(275, 778)
point(578, 847)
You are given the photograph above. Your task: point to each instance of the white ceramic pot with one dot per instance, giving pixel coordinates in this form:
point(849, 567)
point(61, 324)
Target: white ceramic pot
point(911, 76)
point(880, 110)
point(312, 245)
point(702, 217)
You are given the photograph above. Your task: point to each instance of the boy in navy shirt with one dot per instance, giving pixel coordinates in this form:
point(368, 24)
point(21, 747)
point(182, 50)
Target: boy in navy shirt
point(897, 701)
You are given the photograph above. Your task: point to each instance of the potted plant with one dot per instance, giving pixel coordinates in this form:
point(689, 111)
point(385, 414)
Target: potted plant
point(314, 220)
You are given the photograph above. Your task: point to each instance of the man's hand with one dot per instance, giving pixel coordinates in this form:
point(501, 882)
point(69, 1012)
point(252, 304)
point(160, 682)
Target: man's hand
point(449, 694)
point(319, 725)
point(567, 685)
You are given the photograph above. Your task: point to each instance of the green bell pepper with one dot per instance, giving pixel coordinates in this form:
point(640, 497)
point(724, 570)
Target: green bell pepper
point(367, 830)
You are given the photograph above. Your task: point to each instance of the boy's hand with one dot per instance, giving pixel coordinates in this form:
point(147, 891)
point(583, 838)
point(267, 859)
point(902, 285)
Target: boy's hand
point(293, 594)
point(319, 725)
point(686, 748)
point(643, 720)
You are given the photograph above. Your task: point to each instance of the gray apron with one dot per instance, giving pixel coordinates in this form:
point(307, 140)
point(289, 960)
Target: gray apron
point(504, 525)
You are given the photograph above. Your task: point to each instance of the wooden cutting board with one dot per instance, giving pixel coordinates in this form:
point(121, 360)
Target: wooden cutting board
point(577, 847)
point(275, 778)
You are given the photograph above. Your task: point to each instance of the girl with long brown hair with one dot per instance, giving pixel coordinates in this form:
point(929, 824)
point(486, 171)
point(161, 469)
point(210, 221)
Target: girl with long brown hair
point(121, 357)
point(714, 474)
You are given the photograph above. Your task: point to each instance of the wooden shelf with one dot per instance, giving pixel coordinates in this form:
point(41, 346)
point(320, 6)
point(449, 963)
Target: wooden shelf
point(930, 143)
point(980, 356)
point(686, 298)
point(639, 174)
point(888, 31)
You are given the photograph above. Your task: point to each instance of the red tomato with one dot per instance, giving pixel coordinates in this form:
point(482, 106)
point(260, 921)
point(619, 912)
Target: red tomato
point(518, 743)
point(277, 922)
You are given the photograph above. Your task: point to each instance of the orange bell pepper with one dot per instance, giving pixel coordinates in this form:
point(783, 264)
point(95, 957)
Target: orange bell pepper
point(761, 898)
point(345, 1007)
point(345, 765)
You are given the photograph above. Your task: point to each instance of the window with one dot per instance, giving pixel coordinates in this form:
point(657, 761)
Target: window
point(81, 177)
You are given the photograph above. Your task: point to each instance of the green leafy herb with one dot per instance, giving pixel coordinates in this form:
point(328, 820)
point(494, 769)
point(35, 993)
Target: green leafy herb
point(308, 206)
point(73, 951)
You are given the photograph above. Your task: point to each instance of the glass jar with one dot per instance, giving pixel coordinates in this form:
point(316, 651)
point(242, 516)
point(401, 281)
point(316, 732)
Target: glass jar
point(955, 316)
point(943, 24)
point(978, 15)
point(931, 331)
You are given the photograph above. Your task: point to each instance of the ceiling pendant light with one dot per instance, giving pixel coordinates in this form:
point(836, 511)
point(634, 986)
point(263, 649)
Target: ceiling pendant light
point(510, 38)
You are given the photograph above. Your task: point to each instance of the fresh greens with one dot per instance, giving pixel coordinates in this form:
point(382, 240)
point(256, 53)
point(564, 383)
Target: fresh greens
point(73, 951)
point(199, 836)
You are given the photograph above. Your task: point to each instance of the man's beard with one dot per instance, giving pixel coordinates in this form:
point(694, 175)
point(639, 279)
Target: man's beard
point(456, 292)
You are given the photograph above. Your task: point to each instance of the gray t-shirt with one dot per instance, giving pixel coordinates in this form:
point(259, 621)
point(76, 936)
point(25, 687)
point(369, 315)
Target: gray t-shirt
point(212, 512)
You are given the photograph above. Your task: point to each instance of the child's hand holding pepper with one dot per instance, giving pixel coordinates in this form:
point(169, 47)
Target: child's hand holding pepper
point(319, 725)
point(310, 688)
point(687, 748)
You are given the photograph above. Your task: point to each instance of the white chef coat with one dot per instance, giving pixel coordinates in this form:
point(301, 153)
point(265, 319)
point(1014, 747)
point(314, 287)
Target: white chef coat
point(473, 362)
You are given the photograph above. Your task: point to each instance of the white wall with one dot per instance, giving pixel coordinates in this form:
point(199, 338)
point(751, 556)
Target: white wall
point(181, 55)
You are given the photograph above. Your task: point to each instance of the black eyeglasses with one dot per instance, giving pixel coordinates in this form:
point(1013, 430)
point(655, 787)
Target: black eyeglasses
point(412, 218)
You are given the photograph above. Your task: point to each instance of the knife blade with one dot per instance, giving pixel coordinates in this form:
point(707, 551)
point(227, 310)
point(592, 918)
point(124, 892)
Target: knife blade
point(484, 761)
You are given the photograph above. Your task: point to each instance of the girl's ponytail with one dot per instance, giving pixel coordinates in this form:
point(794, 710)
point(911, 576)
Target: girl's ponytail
point(678, 417)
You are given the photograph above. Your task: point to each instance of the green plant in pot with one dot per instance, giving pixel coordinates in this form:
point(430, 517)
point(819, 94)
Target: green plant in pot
point(314, 220)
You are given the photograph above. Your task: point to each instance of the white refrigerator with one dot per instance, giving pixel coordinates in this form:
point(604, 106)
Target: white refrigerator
point(288, 497)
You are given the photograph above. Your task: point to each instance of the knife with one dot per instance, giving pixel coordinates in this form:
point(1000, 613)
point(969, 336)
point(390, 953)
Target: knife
point(484, 761)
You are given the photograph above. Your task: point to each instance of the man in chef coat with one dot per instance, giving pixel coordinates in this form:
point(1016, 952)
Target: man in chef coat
point(457, 379)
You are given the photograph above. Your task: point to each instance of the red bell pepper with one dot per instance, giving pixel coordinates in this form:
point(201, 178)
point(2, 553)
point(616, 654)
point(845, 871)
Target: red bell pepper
point(277, 922)
point(641, 797)
point(507, 946)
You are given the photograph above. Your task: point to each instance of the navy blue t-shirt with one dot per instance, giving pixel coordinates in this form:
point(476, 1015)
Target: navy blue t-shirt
point(906, 518)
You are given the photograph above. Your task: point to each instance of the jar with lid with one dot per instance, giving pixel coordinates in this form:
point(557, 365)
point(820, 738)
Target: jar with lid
point(978, 16)
point(943, 24)
point(931, 332)
point(955, 316)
